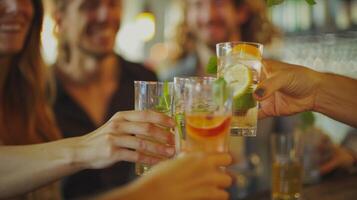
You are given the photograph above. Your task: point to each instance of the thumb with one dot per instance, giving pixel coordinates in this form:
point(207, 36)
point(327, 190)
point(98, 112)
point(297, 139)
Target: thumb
point(270, 85)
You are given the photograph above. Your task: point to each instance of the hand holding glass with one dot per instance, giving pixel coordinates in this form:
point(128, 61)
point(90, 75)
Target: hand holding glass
point(156, 96)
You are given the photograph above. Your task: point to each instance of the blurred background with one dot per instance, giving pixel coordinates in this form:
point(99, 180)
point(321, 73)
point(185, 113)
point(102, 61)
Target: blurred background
point(322, 37)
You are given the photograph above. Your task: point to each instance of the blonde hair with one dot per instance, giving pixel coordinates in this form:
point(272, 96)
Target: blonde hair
point(25, 113)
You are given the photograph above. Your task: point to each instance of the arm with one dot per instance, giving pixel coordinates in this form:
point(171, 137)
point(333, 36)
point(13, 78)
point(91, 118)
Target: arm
point(25, 168)
point(337, 98)
point(288, 89)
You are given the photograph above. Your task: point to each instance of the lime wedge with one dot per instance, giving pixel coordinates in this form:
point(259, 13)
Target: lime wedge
point(239, 77)
point(244, 102)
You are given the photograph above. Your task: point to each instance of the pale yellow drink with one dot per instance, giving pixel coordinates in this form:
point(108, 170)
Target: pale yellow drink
point(240, 65)
point(287, 181)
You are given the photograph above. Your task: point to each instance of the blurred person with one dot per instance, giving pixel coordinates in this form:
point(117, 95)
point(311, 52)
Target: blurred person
point(92, 82)
point(287, 89)
point(208, 22)
point(26, 116)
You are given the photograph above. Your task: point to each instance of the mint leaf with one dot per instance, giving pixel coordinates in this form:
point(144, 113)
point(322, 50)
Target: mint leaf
point(220, 91)
point(180, 120)
point(164, 104)
point(274, 2)
point(311, 2)
point(212, 65)
point(307, 120)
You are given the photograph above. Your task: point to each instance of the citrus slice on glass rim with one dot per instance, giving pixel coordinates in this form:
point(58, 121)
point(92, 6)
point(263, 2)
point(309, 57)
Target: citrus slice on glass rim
point(247, 51)
point(206, 126)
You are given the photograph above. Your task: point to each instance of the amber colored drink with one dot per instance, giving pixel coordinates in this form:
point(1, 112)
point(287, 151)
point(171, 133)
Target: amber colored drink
point(286, 181)
point(208, 133)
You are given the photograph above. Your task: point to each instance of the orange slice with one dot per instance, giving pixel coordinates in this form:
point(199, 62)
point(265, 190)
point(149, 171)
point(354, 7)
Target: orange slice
point(207, 126)
point(247, 50)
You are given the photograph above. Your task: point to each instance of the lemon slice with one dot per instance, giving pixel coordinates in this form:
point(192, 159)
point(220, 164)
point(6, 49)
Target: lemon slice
point(239, 77)
point(248, 51)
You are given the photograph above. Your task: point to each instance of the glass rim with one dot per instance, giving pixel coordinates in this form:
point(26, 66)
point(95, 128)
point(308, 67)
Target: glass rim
point(198, 78)
point(233, 43)
point(193, 77)
point(152, 82)
point(179, 78)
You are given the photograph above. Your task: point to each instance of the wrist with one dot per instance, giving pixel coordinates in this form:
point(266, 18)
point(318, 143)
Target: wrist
point(320, 97)
point(74, 153)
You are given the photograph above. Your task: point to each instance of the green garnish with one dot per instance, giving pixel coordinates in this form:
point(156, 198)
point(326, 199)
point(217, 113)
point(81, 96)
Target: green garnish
point(220, 90)
point(276, 2)
point(179, 118)
point(164, 100)
point(311, 2)
point(212, 65)
point(307, 120)
point(244, 102)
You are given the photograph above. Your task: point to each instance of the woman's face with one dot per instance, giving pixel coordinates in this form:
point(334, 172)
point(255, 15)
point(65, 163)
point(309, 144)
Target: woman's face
point(15, 20)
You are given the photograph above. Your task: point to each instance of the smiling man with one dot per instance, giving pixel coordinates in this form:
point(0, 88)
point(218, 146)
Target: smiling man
point(92, 82)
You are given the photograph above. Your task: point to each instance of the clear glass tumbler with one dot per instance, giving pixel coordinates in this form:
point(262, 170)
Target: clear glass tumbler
point(239, 63)
point(156, 96)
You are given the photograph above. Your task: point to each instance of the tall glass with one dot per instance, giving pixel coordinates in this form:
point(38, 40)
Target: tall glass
point(178, 111)
point(287, 167)
point(239, 63)
point(156, 96)
point(208, 113)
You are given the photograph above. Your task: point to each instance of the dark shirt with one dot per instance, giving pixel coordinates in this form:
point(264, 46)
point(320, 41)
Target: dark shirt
point(74, 121)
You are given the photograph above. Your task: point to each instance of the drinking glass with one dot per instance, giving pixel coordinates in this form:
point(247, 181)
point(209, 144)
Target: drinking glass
point(239, 63)
point(208, 113)
point(178, 113)
point(156, 96)
point(287, 150)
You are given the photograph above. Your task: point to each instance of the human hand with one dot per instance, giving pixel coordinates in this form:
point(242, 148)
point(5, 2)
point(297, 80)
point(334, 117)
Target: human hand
point(286, 89)
point(124, 137)
point(340, 158)
point(191, 176)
